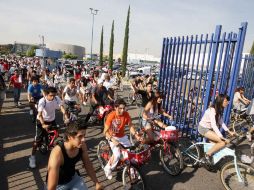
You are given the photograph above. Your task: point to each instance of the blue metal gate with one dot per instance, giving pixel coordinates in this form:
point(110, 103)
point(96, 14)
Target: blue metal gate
point(246, 77)
point(194, 69)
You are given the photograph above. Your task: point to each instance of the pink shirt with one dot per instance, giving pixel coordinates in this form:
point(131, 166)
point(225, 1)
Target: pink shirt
point(208, 121)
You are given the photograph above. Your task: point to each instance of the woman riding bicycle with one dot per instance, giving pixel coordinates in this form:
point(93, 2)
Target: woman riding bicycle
point(210, 125)
point(151, 110)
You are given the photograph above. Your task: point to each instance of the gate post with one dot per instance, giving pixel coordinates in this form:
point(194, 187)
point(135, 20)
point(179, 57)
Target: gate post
point(236, 68)
point(212, 65)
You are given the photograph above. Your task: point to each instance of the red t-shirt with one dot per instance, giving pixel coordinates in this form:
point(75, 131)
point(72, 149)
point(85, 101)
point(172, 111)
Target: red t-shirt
point(117, 123)
point(15, 81)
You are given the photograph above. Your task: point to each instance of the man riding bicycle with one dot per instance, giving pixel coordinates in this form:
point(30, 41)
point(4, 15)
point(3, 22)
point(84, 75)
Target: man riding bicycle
point(114, 131)
point(34, 93)
point(63, 158)
point(71, 94)
point(146, 94)
point(99, 97)
point(46, 118)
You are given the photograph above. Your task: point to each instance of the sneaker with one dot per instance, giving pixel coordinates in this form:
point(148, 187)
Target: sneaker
point(19, 103)
point(207, 160)
point(31, 112)
point(84, 103)
point(108, 173)
point(32, 161)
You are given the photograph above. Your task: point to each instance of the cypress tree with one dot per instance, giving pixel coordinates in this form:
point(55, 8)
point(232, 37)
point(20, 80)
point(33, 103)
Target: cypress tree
point(252, 49)
point(101, 48)
point(111, 47)
point(125, 45)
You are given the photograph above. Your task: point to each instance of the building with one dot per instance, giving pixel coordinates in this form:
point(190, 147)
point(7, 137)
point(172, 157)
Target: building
point(67, 48)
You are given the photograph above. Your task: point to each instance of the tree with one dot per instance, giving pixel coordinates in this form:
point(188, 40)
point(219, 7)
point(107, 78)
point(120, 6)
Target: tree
point(69, 56)
point(31, 51)
point(101, 48)
point(252, 49)
point(111, 47)
point(125, 45)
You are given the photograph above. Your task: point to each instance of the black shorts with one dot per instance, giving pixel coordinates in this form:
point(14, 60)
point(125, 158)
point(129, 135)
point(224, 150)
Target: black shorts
point(40, 132)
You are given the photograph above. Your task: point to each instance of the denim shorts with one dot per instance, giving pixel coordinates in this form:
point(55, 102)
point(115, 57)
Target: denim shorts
point(202, 130)
point(77, 183)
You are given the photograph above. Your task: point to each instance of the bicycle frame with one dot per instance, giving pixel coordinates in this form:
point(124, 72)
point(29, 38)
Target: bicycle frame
point(218, 156)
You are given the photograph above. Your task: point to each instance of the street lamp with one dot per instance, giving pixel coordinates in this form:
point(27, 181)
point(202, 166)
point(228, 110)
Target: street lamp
point(93, 12)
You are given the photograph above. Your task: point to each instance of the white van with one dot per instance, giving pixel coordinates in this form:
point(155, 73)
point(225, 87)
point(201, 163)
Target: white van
point(144, 70)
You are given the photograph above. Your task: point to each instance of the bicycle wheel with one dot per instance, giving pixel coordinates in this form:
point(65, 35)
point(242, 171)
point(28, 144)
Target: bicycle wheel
point(229, 177)
point(171, 159)
point(103, 153)
point(133, 178)
point(190, 152)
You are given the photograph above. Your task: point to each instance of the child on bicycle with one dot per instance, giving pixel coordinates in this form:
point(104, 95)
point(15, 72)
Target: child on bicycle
point(151, 110)
point(210, 125)
point(114, 130)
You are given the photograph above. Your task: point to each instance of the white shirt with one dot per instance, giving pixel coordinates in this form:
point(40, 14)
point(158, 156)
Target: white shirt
point(48, 108)
point(107, 84)
point(208, 121)
point(237, 96)
point(70, 94)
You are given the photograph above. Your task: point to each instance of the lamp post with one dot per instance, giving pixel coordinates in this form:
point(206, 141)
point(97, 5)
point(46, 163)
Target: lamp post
point(43, 50)
point(93, 12)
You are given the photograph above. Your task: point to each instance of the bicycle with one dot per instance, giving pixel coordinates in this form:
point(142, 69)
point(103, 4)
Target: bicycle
point(234, 175)
point(50, 139)
point(134, 98)
point(72, 111)
point(166, 140)
point(130, 162)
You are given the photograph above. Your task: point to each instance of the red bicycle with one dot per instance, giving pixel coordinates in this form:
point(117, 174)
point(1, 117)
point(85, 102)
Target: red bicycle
point(167, 141)
point(50, 139)
point(100, 114)
point(131, 160)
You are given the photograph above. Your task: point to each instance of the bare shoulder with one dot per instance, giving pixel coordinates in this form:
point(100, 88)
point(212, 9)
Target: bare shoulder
point(56, 155)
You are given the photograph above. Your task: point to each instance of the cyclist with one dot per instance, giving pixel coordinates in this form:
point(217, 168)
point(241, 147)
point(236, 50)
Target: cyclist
point(151, 110)
point(99, 95)
point(146, 94)
point(63, 158)
point(114, 131)
point(45, 118)
point(34, 93)
point(239, 101)
point(71, 93)
point(210, 125)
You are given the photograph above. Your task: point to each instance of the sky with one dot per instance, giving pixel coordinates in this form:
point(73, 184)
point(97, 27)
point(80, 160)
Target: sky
point(65, 21)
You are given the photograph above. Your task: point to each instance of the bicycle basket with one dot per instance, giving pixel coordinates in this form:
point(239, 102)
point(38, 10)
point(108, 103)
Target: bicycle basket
point(140, 156)
point(169, 134)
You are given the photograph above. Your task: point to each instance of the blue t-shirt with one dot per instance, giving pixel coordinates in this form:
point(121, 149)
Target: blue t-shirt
point(35, 91)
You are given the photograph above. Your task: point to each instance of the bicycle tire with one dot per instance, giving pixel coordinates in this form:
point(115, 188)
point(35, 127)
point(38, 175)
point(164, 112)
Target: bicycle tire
point(174, 155)
point(133, 178)
point(245, 170)
point(103, 149)
point(190, 152)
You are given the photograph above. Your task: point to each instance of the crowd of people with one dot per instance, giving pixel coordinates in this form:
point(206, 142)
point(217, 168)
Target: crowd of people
point(51, 87)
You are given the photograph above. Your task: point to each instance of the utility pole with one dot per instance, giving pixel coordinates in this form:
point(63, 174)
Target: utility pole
point(93, 12)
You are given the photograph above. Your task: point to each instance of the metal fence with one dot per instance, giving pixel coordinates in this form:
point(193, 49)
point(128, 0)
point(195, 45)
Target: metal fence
point(194, 69)
point(246, 77)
